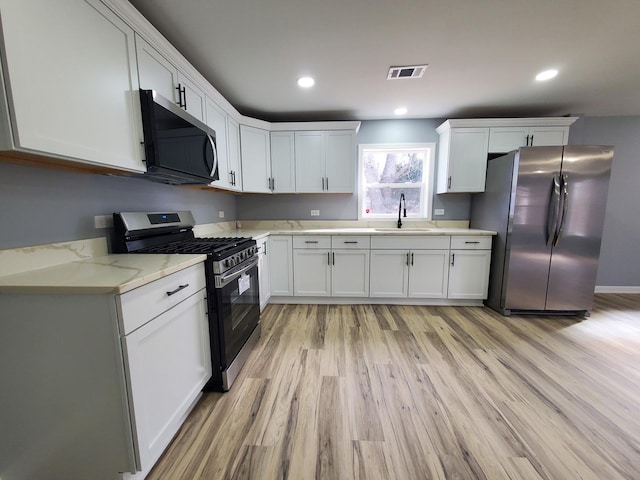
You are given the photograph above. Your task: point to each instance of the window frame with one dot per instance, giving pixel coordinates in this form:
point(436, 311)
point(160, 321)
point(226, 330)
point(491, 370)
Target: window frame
point(428, 172)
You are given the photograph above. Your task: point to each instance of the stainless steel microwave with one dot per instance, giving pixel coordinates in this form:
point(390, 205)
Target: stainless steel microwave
point(179, 149)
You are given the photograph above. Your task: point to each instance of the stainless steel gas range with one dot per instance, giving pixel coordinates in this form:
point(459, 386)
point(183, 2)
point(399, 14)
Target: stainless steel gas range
point(232, 281)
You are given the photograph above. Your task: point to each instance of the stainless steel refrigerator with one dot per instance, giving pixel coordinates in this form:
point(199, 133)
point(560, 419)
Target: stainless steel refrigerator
point(547, 205)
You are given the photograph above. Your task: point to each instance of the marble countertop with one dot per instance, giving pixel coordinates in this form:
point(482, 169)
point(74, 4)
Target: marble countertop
point(117, 273)
point(408, 231)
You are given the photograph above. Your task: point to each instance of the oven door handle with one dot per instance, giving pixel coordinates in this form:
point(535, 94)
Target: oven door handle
point(231, 275)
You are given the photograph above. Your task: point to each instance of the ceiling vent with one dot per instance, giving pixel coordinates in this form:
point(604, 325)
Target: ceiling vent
point(409, 71)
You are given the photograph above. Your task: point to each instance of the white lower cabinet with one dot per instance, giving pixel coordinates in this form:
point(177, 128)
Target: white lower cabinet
point(168, 362)
point(100, 383)
point(264, 271)
point(419, 270)
point(435, 267)
point(350, 273)
point(335, 266)
point(389, 273)
point(409, 273)
point(311, 273)
point(280, 251)
point(469, 264)
point(428, 273)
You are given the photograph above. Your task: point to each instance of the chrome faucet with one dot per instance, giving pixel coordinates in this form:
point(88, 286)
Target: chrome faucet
point(402, 200)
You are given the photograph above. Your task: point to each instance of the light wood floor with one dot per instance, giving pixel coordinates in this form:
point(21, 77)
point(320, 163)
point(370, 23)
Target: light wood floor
point(382, 392)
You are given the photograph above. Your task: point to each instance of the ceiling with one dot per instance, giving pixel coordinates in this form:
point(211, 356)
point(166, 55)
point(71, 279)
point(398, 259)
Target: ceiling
point(482, 55)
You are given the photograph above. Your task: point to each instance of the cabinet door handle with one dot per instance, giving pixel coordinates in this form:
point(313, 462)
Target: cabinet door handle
point(407, 259)
point(350, 242)
point(468, 243)
point(328, 258)
point(323, 184)
point(449, 182)
point(412, 259)
point(311, 241)
point(180, 287)
point(531, 141)
point(327, 183)
point(184, 97)
point(273, 184)
point(333, 255)
point(179, 95)
point(453, 259)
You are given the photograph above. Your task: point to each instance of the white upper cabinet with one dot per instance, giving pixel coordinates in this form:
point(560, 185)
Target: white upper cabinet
point(325, 161)
point(217, 119)
point(465, 144)
point(506, 139)
point(255, 152)
point(340, 161)
point(157, 73)
point(70, 84)
point(283, 168)
point(233, 152)
point(462, 159)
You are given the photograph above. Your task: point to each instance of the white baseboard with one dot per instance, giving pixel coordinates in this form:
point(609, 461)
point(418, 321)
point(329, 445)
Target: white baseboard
point(614, 289)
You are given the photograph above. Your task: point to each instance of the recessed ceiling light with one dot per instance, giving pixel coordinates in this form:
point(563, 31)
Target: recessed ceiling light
point(400, 110)
point(306, 82)
point(546, 75)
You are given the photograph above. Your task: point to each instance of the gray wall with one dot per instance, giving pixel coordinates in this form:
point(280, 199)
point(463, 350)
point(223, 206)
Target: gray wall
point(41, 205)
point(345, 206)
point(619, 255)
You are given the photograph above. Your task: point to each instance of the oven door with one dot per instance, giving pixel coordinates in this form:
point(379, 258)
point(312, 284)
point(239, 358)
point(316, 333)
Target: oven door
point(238, 308)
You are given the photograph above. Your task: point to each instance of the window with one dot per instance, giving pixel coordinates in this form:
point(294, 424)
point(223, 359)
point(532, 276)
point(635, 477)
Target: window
point(387, 170)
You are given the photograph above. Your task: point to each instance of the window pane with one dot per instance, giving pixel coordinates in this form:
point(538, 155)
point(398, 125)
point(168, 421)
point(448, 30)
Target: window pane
point(393, 167)
point(386, 200)
point(388, 170)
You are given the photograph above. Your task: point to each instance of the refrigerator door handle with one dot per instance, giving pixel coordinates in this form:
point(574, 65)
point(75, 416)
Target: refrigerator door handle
point(554, 211)
point(565, 206)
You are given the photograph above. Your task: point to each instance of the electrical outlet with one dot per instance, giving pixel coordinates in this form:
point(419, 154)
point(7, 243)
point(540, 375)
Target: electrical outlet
point(103, 221)
point(439, 211)
point(315, 213)
point(221, 213)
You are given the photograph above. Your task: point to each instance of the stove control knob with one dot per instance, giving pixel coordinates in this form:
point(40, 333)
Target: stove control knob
point(229, 262)
point(241, 255)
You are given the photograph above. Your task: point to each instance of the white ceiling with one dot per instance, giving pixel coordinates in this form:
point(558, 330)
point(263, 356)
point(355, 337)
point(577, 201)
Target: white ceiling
point(482, 55)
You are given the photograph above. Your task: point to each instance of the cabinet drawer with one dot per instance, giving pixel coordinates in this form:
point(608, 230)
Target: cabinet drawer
point(137, 307)
point(351, 242)
point(471, 243)
point(411, 242)
point(312, 241)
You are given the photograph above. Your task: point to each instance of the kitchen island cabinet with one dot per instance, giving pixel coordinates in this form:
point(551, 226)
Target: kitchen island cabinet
point(70, 83)
point(98, 377)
